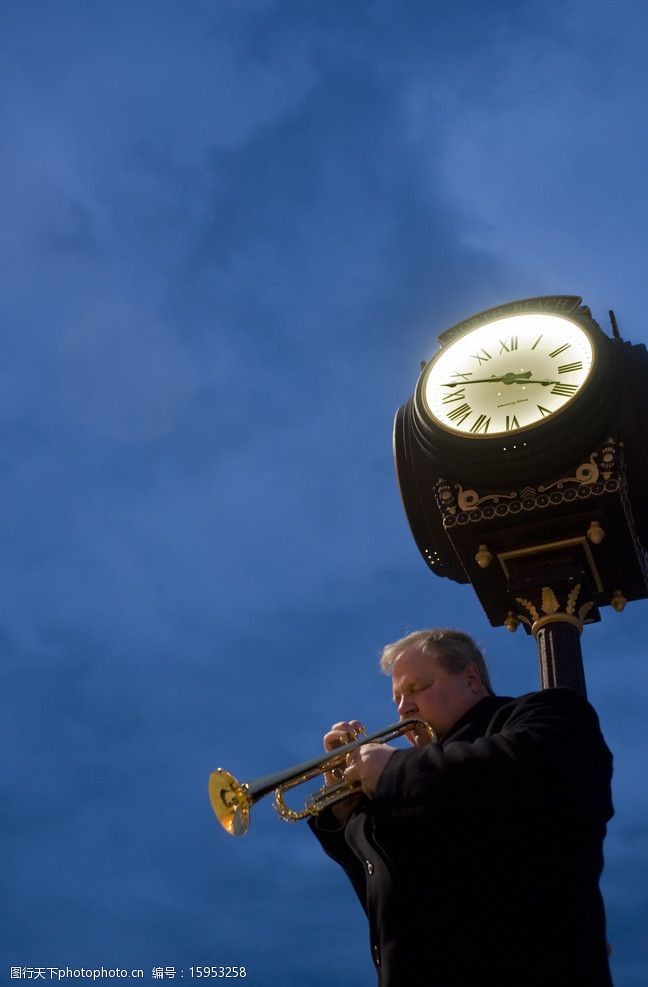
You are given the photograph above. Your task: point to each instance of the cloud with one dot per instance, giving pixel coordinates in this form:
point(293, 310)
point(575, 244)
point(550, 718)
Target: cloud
point(124, 375)
point(232, 234)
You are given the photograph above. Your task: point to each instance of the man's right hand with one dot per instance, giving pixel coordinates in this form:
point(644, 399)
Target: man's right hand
point(340, 734)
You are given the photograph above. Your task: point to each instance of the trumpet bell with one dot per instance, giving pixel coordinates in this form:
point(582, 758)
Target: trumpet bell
point(230, 802)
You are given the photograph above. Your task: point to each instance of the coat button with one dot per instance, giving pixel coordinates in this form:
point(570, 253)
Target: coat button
point(370, 867)
point(376, 954)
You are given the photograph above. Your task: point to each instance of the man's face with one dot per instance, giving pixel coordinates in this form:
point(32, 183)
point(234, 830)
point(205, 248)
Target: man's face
point(425, 689)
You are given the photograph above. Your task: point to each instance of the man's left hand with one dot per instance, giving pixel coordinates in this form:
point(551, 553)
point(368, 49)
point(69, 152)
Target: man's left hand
point(365, 766)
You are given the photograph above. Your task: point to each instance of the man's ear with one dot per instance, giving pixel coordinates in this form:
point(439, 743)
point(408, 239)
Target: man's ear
point(472, 678)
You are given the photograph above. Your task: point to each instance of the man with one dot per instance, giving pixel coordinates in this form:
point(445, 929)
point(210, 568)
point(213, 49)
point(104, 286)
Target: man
point(477, 856)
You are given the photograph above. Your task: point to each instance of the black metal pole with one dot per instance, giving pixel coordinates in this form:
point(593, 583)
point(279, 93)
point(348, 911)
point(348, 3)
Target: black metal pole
point(560, 655)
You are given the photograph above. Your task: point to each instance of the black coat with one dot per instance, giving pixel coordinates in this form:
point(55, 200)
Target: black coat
point(478, 859)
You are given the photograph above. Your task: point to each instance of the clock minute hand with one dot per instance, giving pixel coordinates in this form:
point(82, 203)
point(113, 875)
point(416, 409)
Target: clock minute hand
point(510, 378)
point(543, 383)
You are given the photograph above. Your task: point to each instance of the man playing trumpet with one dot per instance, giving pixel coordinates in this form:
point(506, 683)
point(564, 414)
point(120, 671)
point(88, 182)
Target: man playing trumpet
point(476, 856)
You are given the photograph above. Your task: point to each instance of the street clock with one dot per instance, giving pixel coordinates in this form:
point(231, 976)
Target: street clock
point(516, 390)
point(521, 460)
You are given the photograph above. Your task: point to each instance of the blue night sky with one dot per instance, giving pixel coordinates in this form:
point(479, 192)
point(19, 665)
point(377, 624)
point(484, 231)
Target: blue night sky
point(231, 230)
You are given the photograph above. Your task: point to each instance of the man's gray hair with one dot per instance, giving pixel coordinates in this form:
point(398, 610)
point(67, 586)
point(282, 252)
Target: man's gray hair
point(454, 649)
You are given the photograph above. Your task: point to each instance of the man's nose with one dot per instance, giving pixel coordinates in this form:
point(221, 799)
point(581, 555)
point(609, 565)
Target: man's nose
point(406, 706)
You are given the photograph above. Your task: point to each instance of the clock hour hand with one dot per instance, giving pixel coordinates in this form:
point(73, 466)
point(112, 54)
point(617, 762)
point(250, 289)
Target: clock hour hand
point(543, 383)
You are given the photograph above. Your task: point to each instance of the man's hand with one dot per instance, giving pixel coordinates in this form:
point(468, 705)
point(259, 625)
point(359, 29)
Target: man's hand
point(365, 766)
point(340, 734)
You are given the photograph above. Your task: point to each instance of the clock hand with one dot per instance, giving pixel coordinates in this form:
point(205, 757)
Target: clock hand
point(543, 383)
point(510, 378)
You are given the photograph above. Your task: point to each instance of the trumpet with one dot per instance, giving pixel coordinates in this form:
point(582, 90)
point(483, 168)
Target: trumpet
point(232, 800)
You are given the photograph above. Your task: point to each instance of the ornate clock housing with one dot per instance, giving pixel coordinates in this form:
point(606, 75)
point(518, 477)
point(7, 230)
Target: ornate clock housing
point(516, 392)
point(521, 461)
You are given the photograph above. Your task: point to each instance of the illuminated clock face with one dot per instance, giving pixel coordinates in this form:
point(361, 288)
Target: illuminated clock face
point(508, 375)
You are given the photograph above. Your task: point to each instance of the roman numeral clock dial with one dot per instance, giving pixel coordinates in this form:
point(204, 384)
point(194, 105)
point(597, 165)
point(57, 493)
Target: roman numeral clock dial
point(515, 392)
point(508, 375)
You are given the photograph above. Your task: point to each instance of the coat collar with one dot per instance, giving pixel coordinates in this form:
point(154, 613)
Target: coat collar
point(473, 723)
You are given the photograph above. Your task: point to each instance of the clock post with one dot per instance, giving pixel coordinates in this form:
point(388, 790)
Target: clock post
point(522, 468)
point(560, 657)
